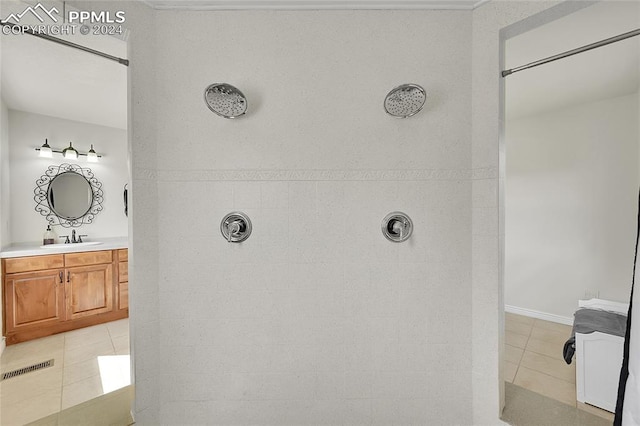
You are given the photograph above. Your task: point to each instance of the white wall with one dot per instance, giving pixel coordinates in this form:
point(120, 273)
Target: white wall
point(28, 131)
point(571, 205)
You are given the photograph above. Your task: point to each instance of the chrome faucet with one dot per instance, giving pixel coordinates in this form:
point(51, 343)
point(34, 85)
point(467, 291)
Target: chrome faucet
point(73, 237)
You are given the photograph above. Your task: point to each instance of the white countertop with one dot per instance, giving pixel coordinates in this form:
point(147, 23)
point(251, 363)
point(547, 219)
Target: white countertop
point(34, 249)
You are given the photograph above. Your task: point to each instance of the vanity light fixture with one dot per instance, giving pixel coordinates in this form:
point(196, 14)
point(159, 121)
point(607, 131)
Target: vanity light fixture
point(70, 153)
point(45, 150)
point(92, 157)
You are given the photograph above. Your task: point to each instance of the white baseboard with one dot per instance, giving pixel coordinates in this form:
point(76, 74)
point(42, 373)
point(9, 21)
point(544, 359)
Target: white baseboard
point(2, 345)
point(539, 315)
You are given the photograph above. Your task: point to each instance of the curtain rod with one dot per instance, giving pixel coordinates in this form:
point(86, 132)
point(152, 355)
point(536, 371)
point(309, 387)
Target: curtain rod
point(122, 61)
point(573, 52)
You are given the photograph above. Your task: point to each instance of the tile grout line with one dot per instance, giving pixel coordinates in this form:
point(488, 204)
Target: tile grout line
point(548, 375)
point(111, 340)
point(523, 351)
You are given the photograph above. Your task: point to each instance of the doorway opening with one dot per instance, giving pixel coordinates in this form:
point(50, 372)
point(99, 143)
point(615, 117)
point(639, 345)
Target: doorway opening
point(58, 95)
point(572, 168)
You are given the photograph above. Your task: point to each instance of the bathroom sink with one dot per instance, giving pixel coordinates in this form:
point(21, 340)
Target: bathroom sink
point(71, 245)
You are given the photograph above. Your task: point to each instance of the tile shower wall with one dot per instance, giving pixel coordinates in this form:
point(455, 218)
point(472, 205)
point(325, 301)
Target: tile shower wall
point(316, 318)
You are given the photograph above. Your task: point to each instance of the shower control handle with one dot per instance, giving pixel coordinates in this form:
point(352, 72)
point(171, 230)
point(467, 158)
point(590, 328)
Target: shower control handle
point(397, 227)
point(235, 227)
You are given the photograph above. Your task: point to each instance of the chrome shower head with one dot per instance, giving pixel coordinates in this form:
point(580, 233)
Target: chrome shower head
point(225, 100)
point(405, 101)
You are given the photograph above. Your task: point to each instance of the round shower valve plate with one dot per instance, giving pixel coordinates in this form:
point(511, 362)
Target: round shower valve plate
point(235, 227)
point(397, 227)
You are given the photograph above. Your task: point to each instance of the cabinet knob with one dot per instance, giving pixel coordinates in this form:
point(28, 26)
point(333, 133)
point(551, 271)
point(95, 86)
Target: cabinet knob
point(61, 275)
point(68, 276)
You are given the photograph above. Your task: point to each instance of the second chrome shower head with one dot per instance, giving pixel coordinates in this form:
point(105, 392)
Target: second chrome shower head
point(225, 100)
point(405, 101)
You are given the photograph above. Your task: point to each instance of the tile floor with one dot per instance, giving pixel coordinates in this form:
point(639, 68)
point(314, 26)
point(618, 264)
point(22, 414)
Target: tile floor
point(533, 360)
point(88, 362)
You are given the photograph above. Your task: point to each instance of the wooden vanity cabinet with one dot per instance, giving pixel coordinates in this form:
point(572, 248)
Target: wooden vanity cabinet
point(34, 299)
point(44, 295)
point(123, 279)
point(89, 290)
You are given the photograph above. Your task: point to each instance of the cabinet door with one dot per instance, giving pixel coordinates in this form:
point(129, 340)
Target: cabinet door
point(34, 299)
point(89, 290)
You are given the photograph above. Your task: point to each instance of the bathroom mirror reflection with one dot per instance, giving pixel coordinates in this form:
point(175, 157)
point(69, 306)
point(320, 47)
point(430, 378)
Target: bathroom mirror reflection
point(68, 195)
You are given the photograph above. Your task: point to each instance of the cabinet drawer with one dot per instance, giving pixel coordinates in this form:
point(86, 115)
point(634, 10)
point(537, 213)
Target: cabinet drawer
point(123, 272)
point(123, 255)
point(87, 258)
point(33, 263)
point(123, 296)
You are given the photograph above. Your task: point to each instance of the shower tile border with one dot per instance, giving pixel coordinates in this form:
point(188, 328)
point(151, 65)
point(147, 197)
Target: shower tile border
point(316, 175)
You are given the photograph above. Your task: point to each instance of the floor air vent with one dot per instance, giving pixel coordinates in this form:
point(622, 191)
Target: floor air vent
point(25, 370)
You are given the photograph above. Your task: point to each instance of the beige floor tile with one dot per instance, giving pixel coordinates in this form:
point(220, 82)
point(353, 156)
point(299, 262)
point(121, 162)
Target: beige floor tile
point(548, 365)
point(79, 371)
point(83, 353)
point(546, 385)
point(558, 337)
point(30, 385)
point(113, 409)
point(50, 420)
point(86, 336)
point(30, 409)
point(515, 339)
point(118, 328)
point(74, 378)
point(124, 351)
point(552, 349)
point(518, 327)
point(27, 353)
point(121, 343)
point(81, 391)
point(508, 316)
point(513, 354)
point(510, 370)
point(553, 326)
point(595, 410)
point(115, 372)
point(34, 358)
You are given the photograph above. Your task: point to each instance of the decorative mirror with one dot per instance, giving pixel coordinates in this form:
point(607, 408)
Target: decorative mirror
point(68, 195)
